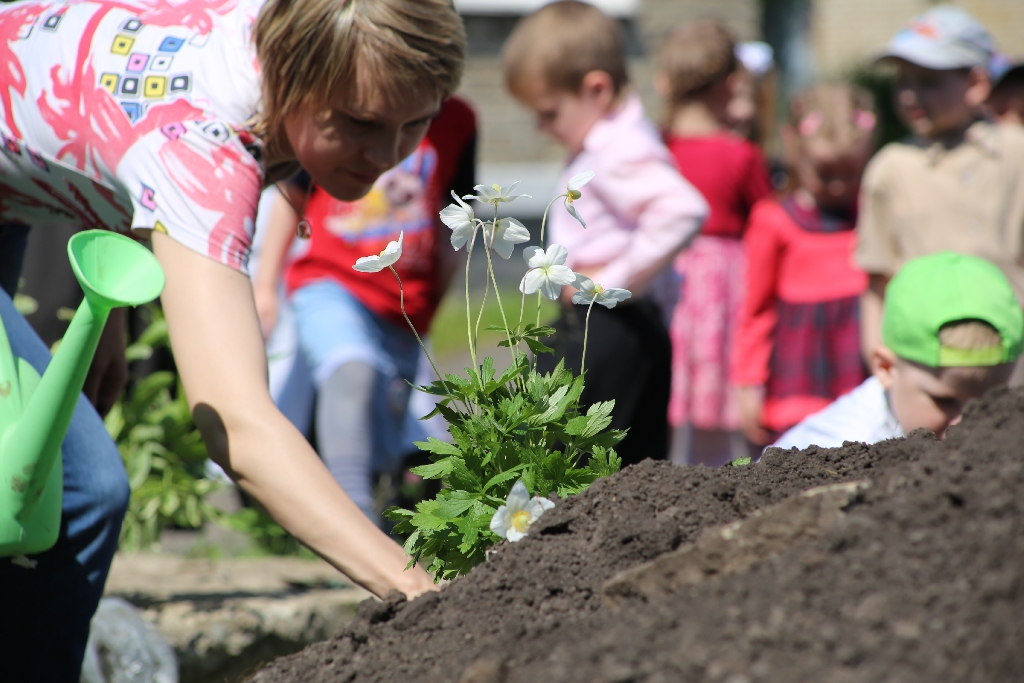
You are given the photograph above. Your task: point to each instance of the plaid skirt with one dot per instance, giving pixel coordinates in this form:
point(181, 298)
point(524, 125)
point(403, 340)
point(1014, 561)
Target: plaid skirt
point(704, 324)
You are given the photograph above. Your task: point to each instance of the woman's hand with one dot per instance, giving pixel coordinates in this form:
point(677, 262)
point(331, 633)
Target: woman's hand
point(751, 403)
point(218, 348)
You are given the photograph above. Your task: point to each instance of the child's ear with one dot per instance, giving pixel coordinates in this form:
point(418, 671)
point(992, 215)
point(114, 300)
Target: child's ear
point(598, 87)
point(979, 87)
point(662, 86)
point(883, 365)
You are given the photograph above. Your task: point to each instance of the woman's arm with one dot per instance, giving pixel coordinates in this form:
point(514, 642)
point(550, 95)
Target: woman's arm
point(280, 232)
point(219, 352)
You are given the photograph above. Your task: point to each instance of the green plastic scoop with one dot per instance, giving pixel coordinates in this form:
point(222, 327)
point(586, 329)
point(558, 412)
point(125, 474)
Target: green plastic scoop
point(35, 411)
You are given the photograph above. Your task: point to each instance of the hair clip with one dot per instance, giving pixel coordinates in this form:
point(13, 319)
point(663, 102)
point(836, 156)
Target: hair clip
point(810, 124)
point(865, 120)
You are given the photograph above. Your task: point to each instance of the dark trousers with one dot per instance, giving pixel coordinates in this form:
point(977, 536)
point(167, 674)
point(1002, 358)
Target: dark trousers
point(629, 359)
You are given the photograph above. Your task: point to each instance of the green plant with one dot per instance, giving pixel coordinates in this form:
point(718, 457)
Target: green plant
point(513, 433)
point(162, 450)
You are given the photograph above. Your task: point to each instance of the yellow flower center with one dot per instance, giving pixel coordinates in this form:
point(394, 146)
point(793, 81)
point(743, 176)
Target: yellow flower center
point(573, 194)
point(497, 187)
point(598, 288)
point(521, 521)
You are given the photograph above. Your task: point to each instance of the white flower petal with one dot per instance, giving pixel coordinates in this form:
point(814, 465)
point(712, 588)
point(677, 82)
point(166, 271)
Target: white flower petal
point(561, 275)
point(551, 290)
point(531, 254)
point(532, 281)
point(509, 233)
point(368, 264)
point(515, 536)
point(518, 497)
point(574, 213)
point(613, 295)
point(461, 235)
point(583, 283)
point(582, 298)
point(545, 503)
point(498, 521)
point(579, 180)
point(392, 252)
point(556, 255)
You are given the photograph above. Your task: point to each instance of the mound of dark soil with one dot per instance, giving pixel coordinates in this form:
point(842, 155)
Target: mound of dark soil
point(920, 578)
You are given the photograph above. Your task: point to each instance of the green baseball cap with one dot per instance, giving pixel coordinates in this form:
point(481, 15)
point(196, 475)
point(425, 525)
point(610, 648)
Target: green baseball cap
point(942, 288)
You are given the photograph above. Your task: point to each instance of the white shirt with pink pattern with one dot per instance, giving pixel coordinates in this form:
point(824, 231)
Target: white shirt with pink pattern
point(130, 115)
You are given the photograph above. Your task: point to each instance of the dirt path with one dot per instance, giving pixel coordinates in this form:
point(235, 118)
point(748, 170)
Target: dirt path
point(914, 574)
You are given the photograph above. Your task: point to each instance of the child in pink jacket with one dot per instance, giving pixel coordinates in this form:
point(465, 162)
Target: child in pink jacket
point(566, 62)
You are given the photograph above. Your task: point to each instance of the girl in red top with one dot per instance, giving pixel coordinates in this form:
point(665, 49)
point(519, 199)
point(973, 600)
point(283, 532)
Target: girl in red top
point(697, 76)
point(798, 347)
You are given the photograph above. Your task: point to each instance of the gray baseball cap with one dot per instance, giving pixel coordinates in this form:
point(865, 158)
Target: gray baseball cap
point(944, 37)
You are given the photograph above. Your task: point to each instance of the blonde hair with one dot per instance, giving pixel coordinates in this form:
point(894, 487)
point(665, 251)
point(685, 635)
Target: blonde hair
point(695, 56)
point(969, 335)
point(839, 114)
point(563, 42)
point(308, 50)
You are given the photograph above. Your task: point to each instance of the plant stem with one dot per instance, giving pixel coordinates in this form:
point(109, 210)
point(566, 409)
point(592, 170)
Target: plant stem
point(480, 314)
point(469, 316)
point(586, 331)
point(543, 224)
point(494, 281)
point(401, 303)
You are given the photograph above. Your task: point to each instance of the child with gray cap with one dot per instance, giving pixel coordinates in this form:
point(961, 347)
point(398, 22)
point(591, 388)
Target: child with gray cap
point(957, 183)
point(952, 330)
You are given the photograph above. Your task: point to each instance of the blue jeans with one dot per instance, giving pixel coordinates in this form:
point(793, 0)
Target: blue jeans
point(362, 366)
point(45, 611)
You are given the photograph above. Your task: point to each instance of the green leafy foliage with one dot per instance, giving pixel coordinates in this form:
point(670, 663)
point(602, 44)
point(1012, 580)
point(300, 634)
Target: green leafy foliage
point(520, 425)
point(162, 451)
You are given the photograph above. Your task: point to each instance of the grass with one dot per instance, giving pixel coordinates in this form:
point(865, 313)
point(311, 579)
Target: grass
point(448, 331)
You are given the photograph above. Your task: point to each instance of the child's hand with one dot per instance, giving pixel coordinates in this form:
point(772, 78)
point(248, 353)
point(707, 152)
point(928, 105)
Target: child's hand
point(751, 401)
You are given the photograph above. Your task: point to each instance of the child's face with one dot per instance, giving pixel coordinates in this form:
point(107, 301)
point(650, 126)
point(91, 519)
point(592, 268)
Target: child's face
point(933, 398)
point(832, 177)
point(565, 116)
point(933, 103)
point(349, 145)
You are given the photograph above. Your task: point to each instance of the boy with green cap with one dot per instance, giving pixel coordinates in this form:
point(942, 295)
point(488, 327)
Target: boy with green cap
point(951, 330)
point(957, 183)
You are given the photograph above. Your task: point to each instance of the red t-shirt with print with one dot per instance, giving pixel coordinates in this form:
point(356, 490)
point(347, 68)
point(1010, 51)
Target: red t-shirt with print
point(405, 199)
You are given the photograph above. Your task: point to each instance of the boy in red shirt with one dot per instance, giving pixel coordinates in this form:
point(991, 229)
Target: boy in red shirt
point(351, 330)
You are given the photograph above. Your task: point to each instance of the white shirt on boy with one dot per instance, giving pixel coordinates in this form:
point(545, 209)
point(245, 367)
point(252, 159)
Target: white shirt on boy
point(862, 415)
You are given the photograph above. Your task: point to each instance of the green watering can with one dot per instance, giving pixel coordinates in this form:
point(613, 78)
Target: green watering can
point(35, 411)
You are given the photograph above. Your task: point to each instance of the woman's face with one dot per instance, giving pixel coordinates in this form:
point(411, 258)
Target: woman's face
point(349, 144)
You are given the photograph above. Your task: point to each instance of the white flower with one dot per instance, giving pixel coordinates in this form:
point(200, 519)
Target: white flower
point(461, 219)
point(495, 194)
point(388, 257)
point(513, 519)
point(508, 233)
point(591, 291)
point(572, 193)
point(547, 271)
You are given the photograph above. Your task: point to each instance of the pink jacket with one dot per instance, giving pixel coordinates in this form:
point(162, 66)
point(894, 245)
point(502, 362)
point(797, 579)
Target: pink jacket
point(639, 210)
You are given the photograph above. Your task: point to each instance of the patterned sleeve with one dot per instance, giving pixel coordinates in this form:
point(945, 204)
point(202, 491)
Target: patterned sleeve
point(759, 316)
point(199, 183)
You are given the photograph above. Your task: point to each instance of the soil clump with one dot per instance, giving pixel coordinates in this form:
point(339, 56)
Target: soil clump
point(914, 571)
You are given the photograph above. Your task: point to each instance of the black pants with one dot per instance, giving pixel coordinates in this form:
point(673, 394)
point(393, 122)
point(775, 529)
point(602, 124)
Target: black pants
point(629, 359)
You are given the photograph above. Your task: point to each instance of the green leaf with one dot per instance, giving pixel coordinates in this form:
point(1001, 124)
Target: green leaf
point(504, 476)
point(435, 445)
point(434, 470)
point(740, 462)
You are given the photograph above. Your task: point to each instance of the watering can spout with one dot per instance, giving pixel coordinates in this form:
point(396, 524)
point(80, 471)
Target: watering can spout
point(35, 412)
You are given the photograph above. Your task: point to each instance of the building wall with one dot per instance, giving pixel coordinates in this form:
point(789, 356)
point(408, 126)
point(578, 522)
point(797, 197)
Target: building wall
point(846, 33)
